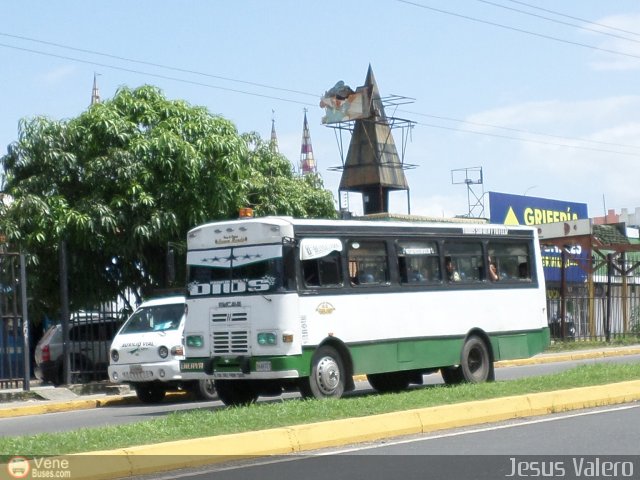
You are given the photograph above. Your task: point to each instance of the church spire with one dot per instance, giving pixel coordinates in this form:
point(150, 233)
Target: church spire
point(307, 162)
point(95, 94)
point(274, 138)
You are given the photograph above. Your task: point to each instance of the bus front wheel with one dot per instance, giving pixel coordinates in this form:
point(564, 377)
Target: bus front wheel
point(476, 366)
point(327, 374)
point(236, 392)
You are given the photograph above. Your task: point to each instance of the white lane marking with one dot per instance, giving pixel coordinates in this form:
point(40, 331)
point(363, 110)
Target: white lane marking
point(301, 456)
point(480, 430)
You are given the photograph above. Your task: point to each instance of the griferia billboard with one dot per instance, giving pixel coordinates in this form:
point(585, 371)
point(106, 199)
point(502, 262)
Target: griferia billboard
point(510, 209)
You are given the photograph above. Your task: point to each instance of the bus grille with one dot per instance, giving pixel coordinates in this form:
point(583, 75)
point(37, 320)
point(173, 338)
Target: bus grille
point(231, 342)
point(229, 317)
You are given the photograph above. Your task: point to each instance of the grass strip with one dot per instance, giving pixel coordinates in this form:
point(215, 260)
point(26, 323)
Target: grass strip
point(278, 413)
point(572, 345)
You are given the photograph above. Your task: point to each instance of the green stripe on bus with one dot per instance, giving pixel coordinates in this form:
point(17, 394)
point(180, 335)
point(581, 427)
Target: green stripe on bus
point(404, 354)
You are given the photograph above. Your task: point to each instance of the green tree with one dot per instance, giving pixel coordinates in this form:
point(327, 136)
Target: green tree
point(274, 188)
point(125, 178)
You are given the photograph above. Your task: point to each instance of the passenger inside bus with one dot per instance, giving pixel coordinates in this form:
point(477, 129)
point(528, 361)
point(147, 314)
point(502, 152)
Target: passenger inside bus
point(365, 277)
point(523, 271)
point(452, 273)
point(416, 277)
point(493, 271)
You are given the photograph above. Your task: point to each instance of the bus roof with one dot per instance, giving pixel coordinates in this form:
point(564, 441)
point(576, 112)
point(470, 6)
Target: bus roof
point(406, 222)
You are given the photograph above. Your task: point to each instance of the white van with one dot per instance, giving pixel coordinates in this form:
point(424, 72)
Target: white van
point(147, 350)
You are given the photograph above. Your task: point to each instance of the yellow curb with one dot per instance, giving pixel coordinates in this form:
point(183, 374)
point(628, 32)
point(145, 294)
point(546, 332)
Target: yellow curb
point(567, 357)
point(360, 429)
point(41, 408)
point(195, 452)
point(48, 408)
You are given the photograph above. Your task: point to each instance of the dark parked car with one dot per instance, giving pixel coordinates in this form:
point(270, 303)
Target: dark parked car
point(90, 336)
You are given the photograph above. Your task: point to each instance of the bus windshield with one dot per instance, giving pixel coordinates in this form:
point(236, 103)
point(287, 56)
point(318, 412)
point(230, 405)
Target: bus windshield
point(236, 270)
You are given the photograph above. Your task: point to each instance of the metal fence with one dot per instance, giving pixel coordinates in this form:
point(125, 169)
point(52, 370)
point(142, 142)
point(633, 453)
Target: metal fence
point(89, 340)
point(14, 333)
point(608, 312)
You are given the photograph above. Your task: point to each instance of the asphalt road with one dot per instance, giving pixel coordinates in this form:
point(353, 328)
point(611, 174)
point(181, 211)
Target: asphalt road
point(121, 414)
point(569, 445)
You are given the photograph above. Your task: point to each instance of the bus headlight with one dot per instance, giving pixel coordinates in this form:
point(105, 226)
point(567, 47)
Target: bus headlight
point(194, 341)
point(267, 338)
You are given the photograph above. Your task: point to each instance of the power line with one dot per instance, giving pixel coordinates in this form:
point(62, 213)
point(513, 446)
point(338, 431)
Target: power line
point(575, 18)
point(158, 65)
point(527, 140)
point(519, 30)
point(518, 130)
point(244, 92)
point(156, 75)
point(559, 21)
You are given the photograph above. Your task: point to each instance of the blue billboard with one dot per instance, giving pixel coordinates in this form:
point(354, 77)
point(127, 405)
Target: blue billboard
point(510, 209)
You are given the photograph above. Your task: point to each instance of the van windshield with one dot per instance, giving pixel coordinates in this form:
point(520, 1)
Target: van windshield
point(160, 318)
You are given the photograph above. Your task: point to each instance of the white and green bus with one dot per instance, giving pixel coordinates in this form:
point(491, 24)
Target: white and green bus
point(278, 304)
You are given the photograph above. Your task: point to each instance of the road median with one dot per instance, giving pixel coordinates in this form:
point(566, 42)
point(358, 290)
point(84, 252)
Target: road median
point(165, 456)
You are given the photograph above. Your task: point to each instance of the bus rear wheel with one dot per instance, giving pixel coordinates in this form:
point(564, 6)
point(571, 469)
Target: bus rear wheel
point(388, 382)
point(452, 375)
point(236, 392)
point(476, 366)
point(327, 374)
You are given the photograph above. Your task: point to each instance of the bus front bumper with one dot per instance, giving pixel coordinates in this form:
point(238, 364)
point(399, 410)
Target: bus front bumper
point(250, 368)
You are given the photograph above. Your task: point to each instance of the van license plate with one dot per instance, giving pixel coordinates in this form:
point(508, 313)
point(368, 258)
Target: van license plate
point(137, 369)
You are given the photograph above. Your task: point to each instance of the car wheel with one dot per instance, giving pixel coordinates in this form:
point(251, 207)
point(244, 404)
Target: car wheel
point(205, 390)
point(150, 392)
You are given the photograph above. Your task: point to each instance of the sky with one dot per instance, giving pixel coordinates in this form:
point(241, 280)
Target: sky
point(542, 97)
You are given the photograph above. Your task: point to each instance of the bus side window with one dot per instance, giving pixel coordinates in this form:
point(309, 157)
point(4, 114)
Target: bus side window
point(418, 262)
point(467, 259)
point(322, 272)
point(511, 258)
point(368, 263)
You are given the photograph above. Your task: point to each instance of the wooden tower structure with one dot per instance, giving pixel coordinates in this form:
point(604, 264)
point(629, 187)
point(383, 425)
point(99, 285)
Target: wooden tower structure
point(373, 166)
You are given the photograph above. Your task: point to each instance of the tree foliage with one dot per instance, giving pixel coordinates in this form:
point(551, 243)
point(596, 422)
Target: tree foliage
point(125, 178)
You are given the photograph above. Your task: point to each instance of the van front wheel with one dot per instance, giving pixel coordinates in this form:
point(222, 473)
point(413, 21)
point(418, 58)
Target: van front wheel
point(150, 392)
point(207, 390)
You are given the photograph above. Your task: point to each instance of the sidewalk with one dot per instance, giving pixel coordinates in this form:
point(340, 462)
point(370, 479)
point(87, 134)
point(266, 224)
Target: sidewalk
point(49, 399)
